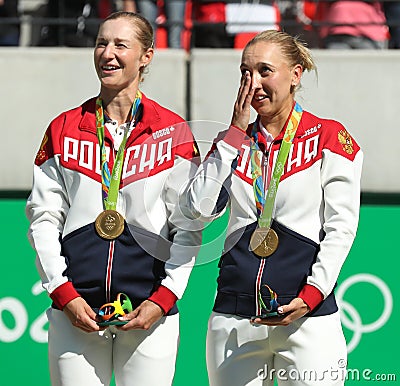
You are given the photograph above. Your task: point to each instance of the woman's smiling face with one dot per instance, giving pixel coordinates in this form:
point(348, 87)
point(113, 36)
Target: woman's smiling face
point(119, 55)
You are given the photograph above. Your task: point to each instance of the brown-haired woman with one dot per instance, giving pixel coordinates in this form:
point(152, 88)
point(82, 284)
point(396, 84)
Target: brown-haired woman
point(113, 249)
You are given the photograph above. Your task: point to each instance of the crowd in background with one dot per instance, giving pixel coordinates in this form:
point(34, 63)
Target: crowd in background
point(340, 24)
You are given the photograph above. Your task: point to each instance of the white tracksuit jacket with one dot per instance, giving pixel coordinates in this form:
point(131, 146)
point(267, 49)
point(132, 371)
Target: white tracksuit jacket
point(154, 255)
point(316, 215)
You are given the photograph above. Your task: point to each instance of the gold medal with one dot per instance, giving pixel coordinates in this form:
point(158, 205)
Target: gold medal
point(264, 242)
point(109, 224)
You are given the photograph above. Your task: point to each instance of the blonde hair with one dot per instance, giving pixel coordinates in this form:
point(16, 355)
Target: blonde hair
point(293, 49)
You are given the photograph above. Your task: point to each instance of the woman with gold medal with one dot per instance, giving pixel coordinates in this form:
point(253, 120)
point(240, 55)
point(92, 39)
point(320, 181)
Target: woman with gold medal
point(291, 185)
point(114, 250)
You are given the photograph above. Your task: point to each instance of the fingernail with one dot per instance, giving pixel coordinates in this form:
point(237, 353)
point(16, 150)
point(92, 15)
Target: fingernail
point(280, 310)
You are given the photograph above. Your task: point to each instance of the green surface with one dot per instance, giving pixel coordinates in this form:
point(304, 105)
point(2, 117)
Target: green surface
point(374, 255)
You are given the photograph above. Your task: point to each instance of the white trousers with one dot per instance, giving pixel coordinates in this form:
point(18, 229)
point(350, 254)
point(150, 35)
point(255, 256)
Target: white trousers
point(310, 351)
point(137, 357)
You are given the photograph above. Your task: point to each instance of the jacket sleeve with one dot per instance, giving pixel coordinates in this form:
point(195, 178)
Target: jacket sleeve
point(185, 231)
point(208, 194)
point(340, 177)
point(46, 210)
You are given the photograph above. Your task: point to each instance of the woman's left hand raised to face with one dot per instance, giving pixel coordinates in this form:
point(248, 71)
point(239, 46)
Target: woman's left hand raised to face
point(241, 110)
point(288, 314)
point(142, 317)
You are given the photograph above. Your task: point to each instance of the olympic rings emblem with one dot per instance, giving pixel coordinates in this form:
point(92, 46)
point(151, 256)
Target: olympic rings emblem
point(354, 323)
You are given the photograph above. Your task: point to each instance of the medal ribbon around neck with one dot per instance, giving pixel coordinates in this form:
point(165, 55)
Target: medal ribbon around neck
point(110, 181)
point(256, 171)
point(265, 199)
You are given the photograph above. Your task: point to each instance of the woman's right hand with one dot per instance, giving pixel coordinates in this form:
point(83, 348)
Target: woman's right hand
point(241, 111)
point(81, 315)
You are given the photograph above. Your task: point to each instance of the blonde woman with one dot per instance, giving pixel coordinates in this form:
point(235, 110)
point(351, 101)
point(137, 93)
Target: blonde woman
point(291, 182)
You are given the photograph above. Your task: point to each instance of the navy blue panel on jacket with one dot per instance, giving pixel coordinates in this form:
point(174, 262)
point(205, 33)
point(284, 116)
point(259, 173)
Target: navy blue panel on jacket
point(94, 262)
point(285, 271)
